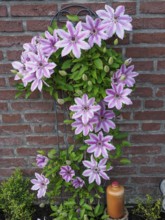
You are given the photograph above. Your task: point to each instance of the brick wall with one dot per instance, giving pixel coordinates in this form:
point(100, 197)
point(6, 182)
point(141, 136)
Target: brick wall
point(27, 125)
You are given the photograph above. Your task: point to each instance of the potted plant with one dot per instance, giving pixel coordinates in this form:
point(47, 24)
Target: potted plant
point(96, 82)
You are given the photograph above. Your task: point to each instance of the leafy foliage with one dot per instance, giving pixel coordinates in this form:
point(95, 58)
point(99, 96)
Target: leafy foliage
point(15, 197)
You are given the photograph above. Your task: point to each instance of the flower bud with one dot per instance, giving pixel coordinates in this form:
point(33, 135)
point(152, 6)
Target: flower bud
point(106, 68)
point(89, 83)
point(42, 205)
point(128, 62)
point(116, 41)
point(84, 77)
point(60, 101)
point(14, 71)
point(62, 72)
point(79, 92)
point(68, 162)
point(110, 61)
point(104, 49)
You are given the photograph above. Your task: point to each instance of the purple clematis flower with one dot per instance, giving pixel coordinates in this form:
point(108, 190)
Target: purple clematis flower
point(82, 127)
point(78, 183)
point(67, 173)
point(103, 119)
point(73, 40)
point(125, 75)
point(96, 170)
point(97, 30)
point(40, 184)
point(41, 161)
point(99, 144)
point(48, 43)
point(33, 45)
point(85, 108)
point(117, 96)
point(117, 22)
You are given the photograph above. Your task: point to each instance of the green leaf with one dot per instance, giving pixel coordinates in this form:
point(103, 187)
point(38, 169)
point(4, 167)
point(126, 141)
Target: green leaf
point(66, 64)
point(87, 207)
point(96, 210)
point(125, 161)
point(70, 149)
point(51, 153)
point(18, 94)
point(82, 212)
point(68, 122)
point(50, 29)
point(73, 18)
point(75, 67)
point(99, 64)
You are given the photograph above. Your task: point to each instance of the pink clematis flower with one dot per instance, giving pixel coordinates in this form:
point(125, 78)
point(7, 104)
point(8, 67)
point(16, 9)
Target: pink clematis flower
point(85, 108)
point(41, 161)
point(40, 184)
point(103, 119)
point(73, 40)
point(48, 43)
point(117, 22)
point(78, 183)
point(97, 30)
point(125, 75)
point(117, 96)
point(96, 170)
point(82, 127)
point(67, 173)
point(99, 144)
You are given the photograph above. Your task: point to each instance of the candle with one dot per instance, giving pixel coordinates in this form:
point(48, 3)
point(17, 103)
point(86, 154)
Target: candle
point(115, 200)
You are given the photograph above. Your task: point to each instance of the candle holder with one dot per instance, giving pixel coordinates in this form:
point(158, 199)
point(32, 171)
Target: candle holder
point(125, 217)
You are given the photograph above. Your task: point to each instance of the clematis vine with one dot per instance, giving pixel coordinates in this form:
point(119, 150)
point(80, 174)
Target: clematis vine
point(99, 144)
point(40, 184)
point(117, 22)
point(117, 96)
point(67, 173)
point(73, 40)
point(96, 170)
point(78, 182)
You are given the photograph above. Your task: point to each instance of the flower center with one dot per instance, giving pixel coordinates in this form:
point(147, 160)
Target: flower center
point(85, 108)
point(94, 31)
point(99, 143)
point(73, 39)
point(96, 169)
point(122, 77)
point(102, 118)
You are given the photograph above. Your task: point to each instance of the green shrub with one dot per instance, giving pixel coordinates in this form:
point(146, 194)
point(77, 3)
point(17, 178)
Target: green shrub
point(148, 209)
point(15, 198)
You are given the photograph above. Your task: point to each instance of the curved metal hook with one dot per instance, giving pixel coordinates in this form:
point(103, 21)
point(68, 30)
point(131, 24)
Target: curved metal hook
point(65, 11)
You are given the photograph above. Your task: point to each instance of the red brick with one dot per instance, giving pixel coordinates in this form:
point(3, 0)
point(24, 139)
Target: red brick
point(1, 55)
point(10, 141)
point(148, 23)
point(154, 103)
point(146, 180)
point(12, 162)
point(140, 160)
point(3, 11)
point(32, 106)
point(151, 38)
point(3, 106)
point(43, 140)
point(12, 129)
point(40, 25)
point(29, 172)
point(143, 65)
point(159, 159)
point(121, 42)
point(44, 128)
point(142, 150)
point(160, 92)
point(6, 152)
point(152, 78)
point(149, 115)
point(2, 82)
point(33, 10)
point(125, 116)
point(129, 127)
point(8, 41)
point(142, 92)
point(30, 151)
point(152, 169)
point(123, 170)
point(148, 138)
point(11, 118)
point(147, 189)
point(140, 52)
point(150, 126)
point(6, 172)
point(13, 55)
point(5, 68)
point(152, 7)
point(40, 117)
point(161, 65)
point(7, 94)
point(11, 26)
